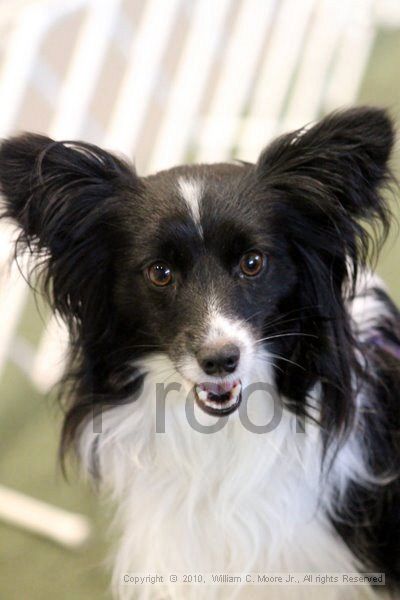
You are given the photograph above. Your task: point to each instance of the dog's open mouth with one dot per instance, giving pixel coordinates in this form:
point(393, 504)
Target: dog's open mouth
point(218, 399)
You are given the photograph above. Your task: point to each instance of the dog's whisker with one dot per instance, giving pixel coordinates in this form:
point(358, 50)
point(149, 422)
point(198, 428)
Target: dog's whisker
point(281, 335)
point(301, 309)
point(280, 323)
point(292, 362)
point(247, 319)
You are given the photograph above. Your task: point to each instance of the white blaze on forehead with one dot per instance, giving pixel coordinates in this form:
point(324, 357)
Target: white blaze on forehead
point(191, 191)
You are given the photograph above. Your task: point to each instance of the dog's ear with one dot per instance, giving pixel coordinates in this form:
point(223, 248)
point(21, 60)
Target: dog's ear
point(344, 156)
point(329, 178)
point(66, 198)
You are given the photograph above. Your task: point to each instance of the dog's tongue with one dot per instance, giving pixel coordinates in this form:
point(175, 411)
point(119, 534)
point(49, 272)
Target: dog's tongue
point(218, 392)
point(219, 398)
point(218, 389)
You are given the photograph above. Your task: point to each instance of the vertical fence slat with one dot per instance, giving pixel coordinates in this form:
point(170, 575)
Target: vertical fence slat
point(352, 57)
point(306, 98)
point(146, 54)
point(84, 68)
point(187, 89)
point(217, 134)
point(276, 74)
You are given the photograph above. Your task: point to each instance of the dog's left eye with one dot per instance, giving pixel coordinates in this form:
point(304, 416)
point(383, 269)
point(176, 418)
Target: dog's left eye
point(251, 263)
point(159, 274)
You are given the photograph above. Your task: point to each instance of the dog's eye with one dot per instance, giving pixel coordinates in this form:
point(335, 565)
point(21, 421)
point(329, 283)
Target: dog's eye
point(251, 263)
point(159, 274)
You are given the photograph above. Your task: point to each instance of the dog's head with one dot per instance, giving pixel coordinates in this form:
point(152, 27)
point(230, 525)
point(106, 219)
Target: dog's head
point(218, 266)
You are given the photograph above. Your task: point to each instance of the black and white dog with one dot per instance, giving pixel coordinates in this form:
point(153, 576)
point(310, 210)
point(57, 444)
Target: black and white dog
point(242, 363)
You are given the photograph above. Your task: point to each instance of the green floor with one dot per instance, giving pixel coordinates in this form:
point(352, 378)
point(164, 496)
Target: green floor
point(35, 569)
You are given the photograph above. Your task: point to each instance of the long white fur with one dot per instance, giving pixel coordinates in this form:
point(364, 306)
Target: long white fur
point(231, 501)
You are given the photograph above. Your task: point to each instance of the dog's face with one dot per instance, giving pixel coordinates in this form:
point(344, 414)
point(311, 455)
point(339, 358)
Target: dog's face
point(217, 266)
point(204, 270)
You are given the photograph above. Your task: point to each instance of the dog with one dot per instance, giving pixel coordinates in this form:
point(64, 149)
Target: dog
point(234, 371)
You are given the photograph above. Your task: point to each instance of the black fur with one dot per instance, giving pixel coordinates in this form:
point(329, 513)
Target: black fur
point(96, 226)
point(369, 519)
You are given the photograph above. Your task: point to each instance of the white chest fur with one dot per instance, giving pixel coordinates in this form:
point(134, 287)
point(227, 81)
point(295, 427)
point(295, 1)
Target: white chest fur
point(231, 501)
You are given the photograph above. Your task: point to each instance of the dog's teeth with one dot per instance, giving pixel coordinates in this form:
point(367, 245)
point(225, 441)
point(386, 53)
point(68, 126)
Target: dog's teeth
point(205, 396)
point(213, 404)
point(202, 394)
point(236, 389)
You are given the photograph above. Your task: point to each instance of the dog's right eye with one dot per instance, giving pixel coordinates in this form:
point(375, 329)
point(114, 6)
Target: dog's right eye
point(159, 274)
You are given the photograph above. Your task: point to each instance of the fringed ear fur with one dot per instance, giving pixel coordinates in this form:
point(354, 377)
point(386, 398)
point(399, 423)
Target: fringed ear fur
point(66, 198)
point(330, 176)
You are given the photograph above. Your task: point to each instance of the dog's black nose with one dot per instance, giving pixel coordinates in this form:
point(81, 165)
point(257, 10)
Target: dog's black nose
point(219, 361)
